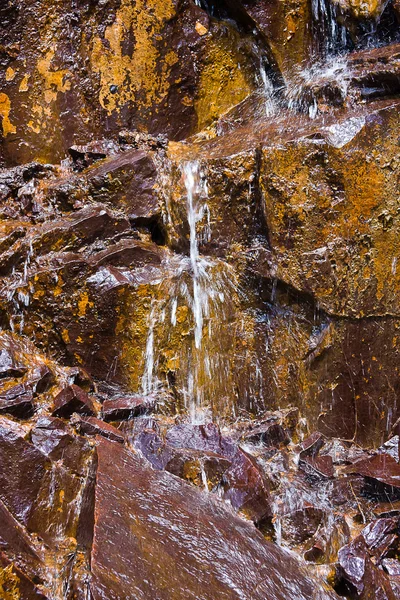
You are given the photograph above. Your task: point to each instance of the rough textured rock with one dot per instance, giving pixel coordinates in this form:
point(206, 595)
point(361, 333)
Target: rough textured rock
point(174, 566)
point(69, 71)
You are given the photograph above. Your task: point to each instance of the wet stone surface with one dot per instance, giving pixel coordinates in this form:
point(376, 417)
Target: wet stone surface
point(199, 300)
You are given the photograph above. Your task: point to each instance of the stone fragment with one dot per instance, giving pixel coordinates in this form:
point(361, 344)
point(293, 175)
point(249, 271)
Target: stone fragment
point(73, 399)
point(58, 441)
point(268, 434)
point(14, 581)
point(9, 366)
point(359, 576)
point(382, 537)
point(22, 468)
point(312, 445)
point(17, 401)
point(152, 446)
point(391, 447)
point(301, 524)
point(125, 407)
point(318, 466)
point(17, 544)
point(158, 537)
point(94, 426)
point(204, 469)
point(243, 484)
point(382, 475)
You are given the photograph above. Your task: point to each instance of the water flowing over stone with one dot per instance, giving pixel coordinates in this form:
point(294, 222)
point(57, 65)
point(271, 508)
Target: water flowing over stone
point(199, 299)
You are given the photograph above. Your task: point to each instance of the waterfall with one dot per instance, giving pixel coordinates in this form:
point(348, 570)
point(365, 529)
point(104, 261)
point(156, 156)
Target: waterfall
point(198, 296)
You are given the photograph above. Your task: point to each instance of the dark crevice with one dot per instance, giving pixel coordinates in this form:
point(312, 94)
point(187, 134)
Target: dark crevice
point(155, 226)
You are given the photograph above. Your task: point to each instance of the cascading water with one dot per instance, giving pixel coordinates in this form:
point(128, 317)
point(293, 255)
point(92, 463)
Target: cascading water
point(196, 302)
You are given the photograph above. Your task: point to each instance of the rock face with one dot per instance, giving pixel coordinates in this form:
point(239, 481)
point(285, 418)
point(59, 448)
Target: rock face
point(158, 550)
point(71, 72)
point(199, 299)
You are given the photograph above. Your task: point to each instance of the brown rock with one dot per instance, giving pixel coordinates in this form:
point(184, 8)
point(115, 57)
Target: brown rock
point(318, 466)
point(381, 473)
point(204, 469)
point(73, 399)
point(125, 407)
point(9, 366)
point(359, 576)
point(22, 468)
point(94, 426)
point(17, 401)
point(268, 434)
point(161, 503)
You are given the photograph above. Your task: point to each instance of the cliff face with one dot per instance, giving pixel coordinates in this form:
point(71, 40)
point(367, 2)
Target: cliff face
point(199, 208)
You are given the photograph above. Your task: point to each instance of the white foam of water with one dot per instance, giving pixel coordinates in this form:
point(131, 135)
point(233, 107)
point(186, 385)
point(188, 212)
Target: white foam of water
point(299, 86)
point(340, 134)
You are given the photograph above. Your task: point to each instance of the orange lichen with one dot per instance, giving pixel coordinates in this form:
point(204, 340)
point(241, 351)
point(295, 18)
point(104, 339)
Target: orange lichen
point(142, 75)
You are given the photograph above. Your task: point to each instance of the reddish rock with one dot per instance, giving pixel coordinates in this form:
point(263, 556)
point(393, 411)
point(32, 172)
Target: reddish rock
point(318, 466)
point(17, 401)
point(381, 473)
point(301, 524)
point(204, 469)
point(268, 434)
point(27, 590)
point(160, 538)
point(243, 484)
point(382, 537)
point(94, 426)
point(359, 577)
point(125, 407)
point(22, 468)
point(9, 366)
point(151, 445)
point(73, 399)
point(312, 445)
point(41, 378)
point(16, 543)
point(58, 441)
point(127, 181)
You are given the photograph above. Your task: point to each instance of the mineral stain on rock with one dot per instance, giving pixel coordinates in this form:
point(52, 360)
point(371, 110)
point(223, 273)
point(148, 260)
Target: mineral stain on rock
point(199, 305)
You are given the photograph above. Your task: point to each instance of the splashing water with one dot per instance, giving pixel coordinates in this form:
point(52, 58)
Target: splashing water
point(197, 302)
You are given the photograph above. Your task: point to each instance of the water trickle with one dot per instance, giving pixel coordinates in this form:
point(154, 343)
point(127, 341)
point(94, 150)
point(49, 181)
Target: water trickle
point(193, 305)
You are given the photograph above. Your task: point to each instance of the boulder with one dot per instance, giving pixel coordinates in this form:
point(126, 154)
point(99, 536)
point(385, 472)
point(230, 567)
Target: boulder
point(73, 399)
point(141, 511)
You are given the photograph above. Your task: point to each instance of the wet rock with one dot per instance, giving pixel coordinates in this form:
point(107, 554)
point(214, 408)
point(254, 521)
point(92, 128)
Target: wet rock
point(358, 575)
point(94, 426)
point(382, 537)
point(325, 544)
point(15, 581)
point(127, 181)
point(391, 447)
point(125, 407)
point(165, 83)
point(57, 440)
point(41, 378)
point(73, 399)
point(204, 469)
point(243, 484)
point(153, 447)
point(22, 468)
point(9, 367)
point(382, 476)
point(84, 156)
point(268, 434)
point(301, 524)
point(318, 466)
point(312, 445)
point(17, 401)
point(17, 544)
point(162, 503)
